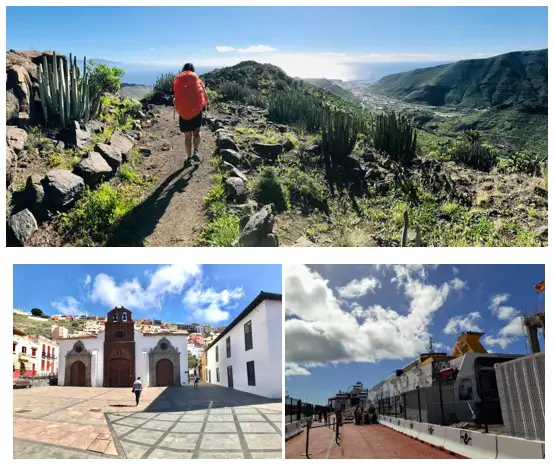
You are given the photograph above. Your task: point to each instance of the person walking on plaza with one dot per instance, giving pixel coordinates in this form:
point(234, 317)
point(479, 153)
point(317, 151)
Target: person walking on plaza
point(196, 380)
point(137, 389)
point(190, 101)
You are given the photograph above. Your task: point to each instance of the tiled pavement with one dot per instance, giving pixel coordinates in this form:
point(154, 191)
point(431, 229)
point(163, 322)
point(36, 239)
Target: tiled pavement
point(211, 421)
point(204, 433)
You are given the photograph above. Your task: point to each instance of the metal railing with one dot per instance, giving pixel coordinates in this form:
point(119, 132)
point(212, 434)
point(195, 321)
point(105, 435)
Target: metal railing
point(296, 410)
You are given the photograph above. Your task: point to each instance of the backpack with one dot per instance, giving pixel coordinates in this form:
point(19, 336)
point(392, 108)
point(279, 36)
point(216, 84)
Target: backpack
point(190, 95)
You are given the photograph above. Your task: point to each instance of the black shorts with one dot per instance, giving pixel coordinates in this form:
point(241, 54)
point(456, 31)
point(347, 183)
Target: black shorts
point(187, 125)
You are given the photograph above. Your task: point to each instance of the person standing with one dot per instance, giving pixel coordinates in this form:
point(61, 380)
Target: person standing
point(137, 389)
point(190, 101)
point(196, 380)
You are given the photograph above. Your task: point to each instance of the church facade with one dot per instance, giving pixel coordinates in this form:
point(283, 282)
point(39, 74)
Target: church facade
point(118, 355)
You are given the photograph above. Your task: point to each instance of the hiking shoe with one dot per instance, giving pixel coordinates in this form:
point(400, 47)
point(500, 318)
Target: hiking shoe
point(188, 162)
point(196, 157)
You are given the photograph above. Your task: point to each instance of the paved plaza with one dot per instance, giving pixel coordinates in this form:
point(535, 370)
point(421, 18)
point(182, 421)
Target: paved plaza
point(172, 423)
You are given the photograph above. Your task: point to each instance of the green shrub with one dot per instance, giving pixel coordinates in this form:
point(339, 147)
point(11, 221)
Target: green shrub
point(339, 133)
point(304, 191)
point(104, 79)
point(96, 213)
point(474, 155)
point(164, 84)
point(222, 231)
point(267, 188)
point(117, 111)
point(239, 93)
point(394, 135)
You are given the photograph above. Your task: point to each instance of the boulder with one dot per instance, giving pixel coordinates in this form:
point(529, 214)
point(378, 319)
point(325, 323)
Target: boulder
point(270, 240)
point(254, 160)
point(225, 141)
point(542, 232)
point(12, 106)
point(94, 127)
point(267, 151)
point(313, 149)
point(62, 188)
point(245, 210)
point(34, 191)
point(231, 156)
point(541, 192)
point(77, 135)
point(22, 226)
point(235, 188)
point(145, 152)
point(258, 227)
point(11, 165)
point(123, 143)
point(19, 80)
point(23, 120)
point(111, 154)
point(233, 172)
point(92, 168)
point(133, 134)
point(288, 145)
point(16, 138)
point(304, 242)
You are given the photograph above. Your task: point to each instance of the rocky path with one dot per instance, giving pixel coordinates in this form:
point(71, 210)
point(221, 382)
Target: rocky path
point(172, 212)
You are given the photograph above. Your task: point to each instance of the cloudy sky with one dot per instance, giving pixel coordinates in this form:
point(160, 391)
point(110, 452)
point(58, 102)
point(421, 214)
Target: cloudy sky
point(333, 42)
point(349, 323)
point(177, 293)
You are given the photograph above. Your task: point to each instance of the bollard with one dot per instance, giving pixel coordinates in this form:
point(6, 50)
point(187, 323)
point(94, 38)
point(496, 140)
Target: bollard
point(308, 438)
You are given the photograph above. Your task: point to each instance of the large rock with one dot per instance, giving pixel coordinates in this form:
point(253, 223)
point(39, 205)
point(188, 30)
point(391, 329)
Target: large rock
point(110, 153)
point(92, 168)
point(12, 106)
point(225, 141)
point(268, 151)
point(254, 160)
point(231, 156)
point(258, 227)
point(62, 187)
point(34, 191)
point(270, 240)
point(123, 143)
point(94, 127)
point(11, 165)
point(232, 171)
point(133, 134)
point(19, 81)
point(235, 188)
point(77, 135)
point(16, 138)
point(22, 226)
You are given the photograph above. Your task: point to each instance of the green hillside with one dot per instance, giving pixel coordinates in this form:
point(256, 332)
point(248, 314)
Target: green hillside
point(44, 327)
point(517, 79)
point(331, 87)
point(250, 74)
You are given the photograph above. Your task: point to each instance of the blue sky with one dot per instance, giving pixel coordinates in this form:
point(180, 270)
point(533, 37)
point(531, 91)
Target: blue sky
point(349, 323)
point(177, 293)
point(335, 42)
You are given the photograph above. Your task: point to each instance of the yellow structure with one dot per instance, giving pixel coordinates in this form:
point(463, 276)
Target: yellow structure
point(468, 342)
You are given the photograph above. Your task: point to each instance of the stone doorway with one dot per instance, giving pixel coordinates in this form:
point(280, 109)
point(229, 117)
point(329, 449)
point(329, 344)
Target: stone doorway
point(164, 373)
point(170, 355)
point(78, 374)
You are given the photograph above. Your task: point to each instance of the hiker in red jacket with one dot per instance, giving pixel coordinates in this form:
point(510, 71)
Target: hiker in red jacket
point(190, 101)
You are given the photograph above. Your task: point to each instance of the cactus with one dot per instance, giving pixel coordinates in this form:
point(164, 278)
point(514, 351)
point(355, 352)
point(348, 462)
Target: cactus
point(295, 107)
point(64, 95)
point(405, 229)
point(393, 134)
point(339, 132)
point(473, 155)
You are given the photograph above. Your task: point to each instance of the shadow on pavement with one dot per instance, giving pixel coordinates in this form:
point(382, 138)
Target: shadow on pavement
point(141, 221)
point(186, 398)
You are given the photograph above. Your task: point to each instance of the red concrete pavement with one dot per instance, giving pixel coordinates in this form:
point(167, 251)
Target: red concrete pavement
point(361, 442)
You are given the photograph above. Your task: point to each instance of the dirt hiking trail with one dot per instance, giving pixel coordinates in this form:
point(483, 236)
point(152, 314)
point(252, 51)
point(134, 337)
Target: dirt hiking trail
point(172, 212)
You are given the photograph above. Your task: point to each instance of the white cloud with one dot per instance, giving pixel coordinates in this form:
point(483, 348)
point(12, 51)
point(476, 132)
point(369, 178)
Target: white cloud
point(292, 369)
point(502, 312)
point(461, 323)
point(68, 305)
point(166, 280)
point(458, 285)
point(498, 341)
point(88, 280)
point(318, 331)
point(249, 49)
point(208, 305)
point(455, 271)
point(513, 328)
point(358, 287)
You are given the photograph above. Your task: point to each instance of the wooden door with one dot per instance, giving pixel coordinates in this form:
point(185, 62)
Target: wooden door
point(78, 374)
point(120, 372)
point(230, 376)
point(164, 373)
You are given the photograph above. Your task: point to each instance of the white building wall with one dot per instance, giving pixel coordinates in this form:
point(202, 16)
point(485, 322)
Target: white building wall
point(143, 344)
point(96, 347)
point(266, 353)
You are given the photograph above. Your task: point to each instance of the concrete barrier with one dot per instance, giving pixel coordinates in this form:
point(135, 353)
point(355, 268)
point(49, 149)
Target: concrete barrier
point(411, 429)
point(292, 429)
point(432, 434)
point(399, 424)
point(470, 444)
point(518, 448)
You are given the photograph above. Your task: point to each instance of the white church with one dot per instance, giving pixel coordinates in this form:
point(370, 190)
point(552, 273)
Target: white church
point(118, 355)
